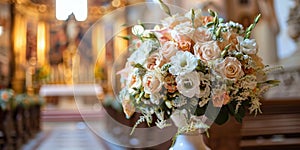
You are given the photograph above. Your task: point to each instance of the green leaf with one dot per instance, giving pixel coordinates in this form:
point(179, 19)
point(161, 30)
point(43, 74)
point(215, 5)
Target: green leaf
point(212, 13)
point(257, 18)
point(209, 24)
point(240, 114)
point(231, 109)
point(275, 82)
point(193, 17)
point(128, 37)
point(222, 117)
point(200, 110)
point(164, 7)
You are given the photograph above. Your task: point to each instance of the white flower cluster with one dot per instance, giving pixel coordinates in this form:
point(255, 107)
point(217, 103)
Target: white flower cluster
point(177, 69)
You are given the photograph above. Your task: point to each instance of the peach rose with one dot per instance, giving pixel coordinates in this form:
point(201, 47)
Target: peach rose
point(152, 83)
point(207, 51)
point(154, 60)
point(230, 68)
point(220, 98)
point(206, 19)
point(228, 38)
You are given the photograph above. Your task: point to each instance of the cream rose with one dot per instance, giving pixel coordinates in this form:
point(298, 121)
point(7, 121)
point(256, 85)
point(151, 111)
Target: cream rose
point(173, 21)
point(134, 81)
point(152, 82)
point(202, 35)
point(207, 51)
point(154, 60)
point(182, 31)
point(230, 68)
point(168, 50)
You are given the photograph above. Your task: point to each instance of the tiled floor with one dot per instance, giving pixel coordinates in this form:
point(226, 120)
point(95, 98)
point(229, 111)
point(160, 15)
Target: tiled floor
point(77, 136)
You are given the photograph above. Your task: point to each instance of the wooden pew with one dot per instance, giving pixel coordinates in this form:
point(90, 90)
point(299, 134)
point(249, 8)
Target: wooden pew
point(278, 127)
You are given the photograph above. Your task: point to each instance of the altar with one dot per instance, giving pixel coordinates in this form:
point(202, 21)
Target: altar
point(63, 96)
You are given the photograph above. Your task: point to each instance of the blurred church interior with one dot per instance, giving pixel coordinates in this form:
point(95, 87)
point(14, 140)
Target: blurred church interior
point(59, 58)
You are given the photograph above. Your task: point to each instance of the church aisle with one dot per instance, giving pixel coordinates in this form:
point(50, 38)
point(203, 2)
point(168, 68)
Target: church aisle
point(65, 136)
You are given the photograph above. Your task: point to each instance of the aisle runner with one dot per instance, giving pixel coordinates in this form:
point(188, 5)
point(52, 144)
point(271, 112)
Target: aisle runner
point(70, 138)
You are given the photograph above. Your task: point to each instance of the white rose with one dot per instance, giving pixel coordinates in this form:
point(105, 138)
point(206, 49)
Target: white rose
point(182, 63)
point(137, 57)
point(147, 46)
point(152, 82)
point(188, 84)
point(169, 49)
point(247, 46)
point(207, 51)
point(230, 68)
point(182, 31)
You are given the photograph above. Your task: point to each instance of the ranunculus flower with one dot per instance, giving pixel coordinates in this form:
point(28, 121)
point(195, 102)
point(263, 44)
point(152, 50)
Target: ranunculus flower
point(202, 34)
point(154, 60)
point(170, 83)
point(230, 68)
point(207, 51)
point(248, 46)
point(185, 45)
point(168, 50)
point(188, 84)
point(152, 82)
point(182, 63)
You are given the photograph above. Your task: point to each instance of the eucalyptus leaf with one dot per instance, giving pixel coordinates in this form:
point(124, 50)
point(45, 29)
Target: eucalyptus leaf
point(164, 7)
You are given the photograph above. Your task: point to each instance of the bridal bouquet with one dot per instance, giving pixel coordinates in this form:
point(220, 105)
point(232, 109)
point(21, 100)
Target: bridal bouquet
point(191, 63)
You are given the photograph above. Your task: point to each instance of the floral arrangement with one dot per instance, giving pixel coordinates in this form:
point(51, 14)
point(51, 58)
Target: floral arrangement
point(5, 98)
point(188, 64)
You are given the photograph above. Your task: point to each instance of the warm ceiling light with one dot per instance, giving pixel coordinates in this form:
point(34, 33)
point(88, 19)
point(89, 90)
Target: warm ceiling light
point(64, 8)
